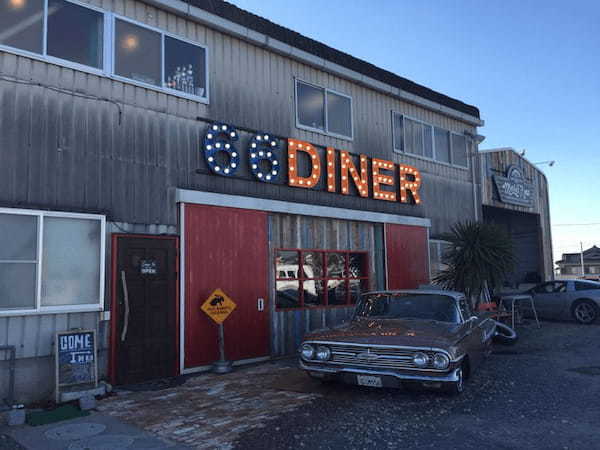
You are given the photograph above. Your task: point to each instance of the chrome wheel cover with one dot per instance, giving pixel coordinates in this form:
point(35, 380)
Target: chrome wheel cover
point(585, 313)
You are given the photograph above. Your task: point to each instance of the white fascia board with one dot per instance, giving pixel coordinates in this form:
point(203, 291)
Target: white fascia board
point(302, 209)
point(232, 28)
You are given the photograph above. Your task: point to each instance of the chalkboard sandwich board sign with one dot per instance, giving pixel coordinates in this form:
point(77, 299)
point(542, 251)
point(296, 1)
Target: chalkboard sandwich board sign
point(76, 360)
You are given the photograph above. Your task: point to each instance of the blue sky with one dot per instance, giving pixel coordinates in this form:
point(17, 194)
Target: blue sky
point(531, 67)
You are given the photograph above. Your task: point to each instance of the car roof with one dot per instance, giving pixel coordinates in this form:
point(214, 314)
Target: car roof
point(455, 295)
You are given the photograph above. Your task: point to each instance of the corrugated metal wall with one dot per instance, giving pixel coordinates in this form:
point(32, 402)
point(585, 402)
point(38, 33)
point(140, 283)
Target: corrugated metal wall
point(496, 163)
point(122, 149)
point(291, 231)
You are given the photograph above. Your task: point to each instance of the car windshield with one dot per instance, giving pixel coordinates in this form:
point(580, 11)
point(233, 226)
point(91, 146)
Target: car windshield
point(409, 306)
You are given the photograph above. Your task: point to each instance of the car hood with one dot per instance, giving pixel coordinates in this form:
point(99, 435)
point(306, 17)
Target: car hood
point(410, 333)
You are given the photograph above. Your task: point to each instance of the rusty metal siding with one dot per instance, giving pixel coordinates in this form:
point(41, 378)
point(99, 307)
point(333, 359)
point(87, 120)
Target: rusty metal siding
point(292, 231)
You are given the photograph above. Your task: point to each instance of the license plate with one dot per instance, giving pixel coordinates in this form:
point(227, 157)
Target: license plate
point(366, 380)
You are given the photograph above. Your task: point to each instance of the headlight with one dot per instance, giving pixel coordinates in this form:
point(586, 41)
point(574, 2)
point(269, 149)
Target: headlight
point(440, 361)
point(420, 359)
point(323, 353)
point(307, 351)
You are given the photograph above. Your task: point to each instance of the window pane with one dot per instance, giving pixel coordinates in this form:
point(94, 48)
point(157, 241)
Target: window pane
point(18, 237)
point(427, 141)
point(442, 145)
point(17, 285)
point(71, 261)
point(357, 288)
point(288, 294)
point(336, 265)
point(459, 150)
point(409, 136)
point(287, 264)
point(337, 292)
point(185, 67)
point(357, 265)
point(137, 53)
point(311, 106)
point(339, 114)
point(314, 294)
point(313, 264)
point(21, 24)
point(398, 131)
point(75, 33)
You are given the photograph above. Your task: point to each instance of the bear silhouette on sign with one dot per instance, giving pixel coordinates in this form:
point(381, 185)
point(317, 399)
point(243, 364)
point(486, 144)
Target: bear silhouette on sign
point(218, 300)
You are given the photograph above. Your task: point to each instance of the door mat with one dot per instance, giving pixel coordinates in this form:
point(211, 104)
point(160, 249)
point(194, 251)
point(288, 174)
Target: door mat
point(65, 412)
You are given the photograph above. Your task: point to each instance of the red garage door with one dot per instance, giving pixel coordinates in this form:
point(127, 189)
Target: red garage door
point(225, 248)
point(406, 256)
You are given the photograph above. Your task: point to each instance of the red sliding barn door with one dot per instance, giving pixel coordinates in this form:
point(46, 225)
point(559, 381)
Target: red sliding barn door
point(225, 248)
point(407, 256)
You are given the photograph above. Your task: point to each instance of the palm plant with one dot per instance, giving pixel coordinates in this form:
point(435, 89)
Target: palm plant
point(480, 256)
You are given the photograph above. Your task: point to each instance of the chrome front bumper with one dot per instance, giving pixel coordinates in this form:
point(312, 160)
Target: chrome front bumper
point(442, 378)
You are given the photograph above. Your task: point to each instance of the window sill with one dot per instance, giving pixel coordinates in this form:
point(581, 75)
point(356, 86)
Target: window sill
point(425, 158)
point(101, 73)
point(51, 310)
point(323, 132)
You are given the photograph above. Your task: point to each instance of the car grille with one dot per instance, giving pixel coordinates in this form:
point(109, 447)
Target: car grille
point(375, 357)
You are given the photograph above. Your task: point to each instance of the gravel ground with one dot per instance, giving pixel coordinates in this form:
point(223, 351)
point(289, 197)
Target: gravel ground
point(543, 392)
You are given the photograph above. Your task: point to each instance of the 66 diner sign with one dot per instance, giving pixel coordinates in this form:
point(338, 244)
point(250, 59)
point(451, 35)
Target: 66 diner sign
point(513, 188)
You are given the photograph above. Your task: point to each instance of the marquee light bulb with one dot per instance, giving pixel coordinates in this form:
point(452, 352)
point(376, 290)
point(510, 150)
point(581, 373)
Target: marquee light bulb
point(275, 163)
point(234, 165)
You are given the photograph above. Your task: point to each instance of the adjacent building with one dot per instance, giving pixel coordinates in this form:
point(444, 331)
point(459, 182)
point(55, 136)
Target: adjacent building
point(585, 264)
point(155, 151)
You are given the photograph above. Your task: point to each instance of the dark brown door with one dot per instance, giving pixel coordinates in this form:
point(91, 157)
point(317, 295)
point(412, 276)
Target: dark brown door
point(146, 271)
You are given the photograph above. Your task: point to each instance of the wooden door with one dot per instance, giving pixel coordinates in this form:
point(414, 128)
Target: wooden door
point(226, 248)
point(146, 331)
point(406, 256)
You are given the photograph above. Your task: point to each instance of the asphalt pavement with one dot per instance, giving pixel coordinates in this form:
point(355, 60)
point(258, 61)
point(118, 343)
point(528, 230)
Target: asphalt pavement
point(542, 393)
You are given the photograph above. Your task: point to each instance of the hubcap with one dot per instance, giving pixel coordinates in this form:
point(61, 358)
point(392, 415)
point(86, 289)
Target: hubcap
point(584, 312)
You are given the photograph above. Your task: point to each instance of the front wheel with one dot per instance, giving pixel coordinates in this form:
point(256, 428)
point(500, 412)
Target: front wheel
point(585, 312)
point(456, 387)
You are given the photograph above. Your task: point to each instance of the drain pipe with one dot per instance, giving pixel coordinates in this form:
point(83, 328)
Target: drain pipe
point(474, 139)
point(10, 399)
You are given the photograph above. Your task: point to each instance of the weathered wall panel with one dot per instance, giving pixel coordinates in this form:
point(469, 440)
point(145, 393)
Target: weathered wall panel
point(291, 231)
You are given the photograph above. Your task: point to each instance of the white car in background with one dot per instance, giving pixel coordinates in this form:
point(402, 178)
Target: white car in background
point(562, 299)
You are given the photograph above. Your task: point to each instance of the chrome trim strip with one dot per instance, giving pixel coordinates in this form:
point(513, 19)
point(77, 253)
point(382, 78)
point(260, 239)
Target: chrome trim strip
point(399, 347)
point(452, 376)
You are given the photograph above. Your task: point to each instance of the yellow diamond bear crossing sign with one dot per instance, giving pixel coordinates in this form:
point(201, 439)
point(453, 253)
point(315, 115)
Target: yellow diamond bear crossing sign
point(218, 306)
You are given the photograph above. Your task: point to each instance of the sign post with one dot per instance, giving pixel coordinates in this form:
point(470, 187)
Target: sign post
point(218, 306)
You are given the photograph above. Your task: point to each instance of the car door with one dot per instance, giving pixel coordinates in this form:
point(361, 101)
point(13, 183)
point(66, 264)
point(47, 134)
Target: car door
point(550, 298)
point(475, 341)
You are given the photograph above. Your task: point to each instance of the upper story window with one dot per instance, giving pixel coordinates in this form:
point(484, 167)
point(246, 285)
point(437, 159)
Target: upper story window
point(50, 261)
point(323, 110)
point(93, 40)
point(426, 141)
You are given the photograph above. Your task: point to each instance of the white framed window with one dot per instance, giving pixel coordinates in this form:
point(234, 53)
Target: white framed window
point(323, 110)
point(151, 57)
point(51, 262)
point(423, 140)
point(87, 38)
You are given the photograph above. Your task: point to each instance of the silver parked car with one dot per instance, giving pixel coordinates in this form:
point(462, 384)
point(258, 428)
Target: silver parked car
point(561, 299)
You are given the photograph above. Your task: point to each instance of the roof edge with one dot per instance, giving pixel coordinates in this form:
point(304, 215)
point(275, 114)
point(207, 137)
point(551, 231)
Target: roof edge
point(204, 12)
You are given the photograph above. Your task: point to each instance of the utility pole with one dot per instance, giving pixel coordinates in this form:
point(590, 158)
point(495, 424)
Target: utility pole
point(581, 259)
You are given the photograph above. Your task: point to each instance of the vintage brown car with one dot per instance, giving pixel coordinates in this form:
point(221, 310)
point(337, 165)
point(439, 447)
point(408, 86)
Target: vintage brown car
point(429, 337)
